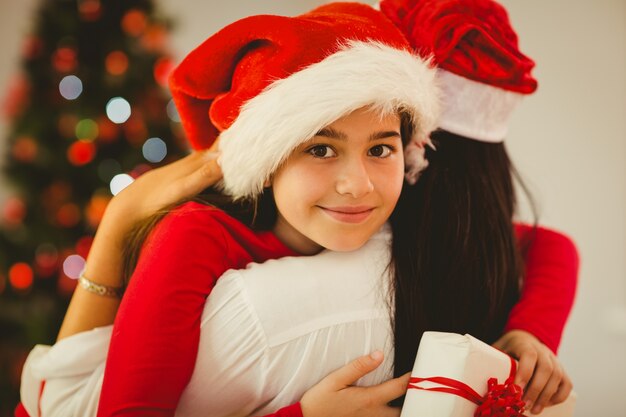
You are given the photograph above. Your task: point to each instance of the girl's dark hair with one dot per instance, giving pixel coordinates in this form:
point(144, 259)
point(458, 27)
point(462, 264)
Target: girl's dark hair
point(455, 258)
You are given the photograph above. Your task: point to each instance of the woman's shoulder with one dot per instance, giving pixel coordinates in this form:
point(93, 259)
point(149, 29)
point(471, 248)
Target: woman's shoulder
point(542, 238)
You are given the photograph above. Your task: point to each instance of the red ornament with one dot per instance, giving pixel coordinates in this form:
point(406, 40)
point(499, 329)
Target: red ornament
point(81, 152)
point(68, 215)
point(64, 59)
point(162, 69)
point(90, 10)
point(24, 149)
point(116, 63)
point(14, 211)
point(21, 276)
point(134, 22)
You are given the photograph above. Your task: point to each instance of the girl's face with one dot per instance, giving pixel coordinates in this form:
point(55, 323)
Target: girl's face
point(337, 190)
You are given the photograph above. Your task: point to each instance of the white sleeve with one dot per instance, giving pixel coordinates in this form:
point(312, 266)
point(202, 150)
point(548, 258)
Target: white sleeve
point(70, 373)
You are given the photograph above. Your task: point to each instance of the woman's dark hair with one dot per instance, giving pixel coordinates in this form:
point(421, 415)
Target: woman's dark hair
point(455, 258)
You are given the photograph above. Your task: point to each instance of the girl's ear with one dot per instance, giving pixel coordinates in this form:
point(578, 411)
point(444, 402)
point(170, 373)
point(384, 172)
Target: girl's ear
point(267, 183)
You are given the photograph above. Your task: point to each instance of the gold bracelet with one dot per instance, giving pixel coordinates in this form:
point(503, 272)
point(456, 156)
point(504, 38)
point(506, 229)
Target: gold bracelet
point(98, 289)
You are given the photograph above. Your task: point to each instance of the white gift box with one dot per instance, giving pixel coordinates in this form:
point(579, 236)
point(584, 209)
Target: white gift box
point(464, 359)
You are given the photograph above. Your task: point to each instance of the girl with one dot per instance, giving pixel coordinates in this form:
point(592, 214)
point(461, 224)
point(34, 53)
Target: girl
point(336, 170)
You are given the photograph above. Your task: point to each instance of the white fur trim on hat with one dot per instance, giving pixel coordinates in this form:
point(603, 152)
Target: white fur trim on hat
point(292, 110)
point(475, 110)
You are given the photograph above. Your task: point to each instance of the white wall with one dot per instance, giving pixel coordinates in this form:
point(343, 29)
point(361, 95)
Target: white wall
point(569, 141)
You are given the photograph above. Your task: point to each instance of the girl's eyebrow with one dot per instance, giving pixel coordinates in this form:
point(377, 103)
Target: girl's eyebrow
point(329, 132)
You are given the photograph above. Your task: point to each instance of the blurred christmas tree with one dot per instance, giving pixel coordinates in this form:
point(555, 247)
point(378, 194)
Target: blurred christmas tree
point(88, 113)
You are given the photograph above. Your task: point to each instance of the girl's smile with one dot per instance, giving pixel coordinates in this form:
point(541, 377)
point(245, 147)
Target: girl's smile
point(338, 189)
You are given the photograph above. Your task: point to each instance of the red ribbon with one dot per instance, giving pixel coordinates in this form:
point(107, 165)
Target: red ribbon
point(501, 400)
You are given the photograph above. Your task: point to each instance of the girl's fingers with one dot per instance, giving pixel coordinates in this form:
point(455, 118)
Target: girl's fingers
point(389, 390)
point(348, 374)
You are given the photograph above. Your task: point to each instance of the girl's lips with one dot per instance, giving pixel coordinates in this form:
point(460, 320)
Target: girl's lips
point(348, 214)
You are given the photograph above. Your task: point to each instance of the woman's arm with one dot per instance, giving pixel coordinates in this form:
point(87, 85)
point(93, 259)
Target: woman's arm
point(151, 191)
point(549, 285)
point(535, 325)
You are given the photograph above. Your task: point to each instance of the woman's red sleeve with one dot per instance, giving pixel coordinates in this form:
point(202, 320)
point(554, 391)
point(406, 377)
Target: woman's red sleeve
point(549, 285)
point(155, 339)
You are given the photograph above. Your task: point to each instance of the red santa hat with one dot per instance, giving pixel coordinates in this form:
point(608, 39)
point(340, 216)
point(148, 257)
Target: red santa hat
point(266, 84)
point(482, 72)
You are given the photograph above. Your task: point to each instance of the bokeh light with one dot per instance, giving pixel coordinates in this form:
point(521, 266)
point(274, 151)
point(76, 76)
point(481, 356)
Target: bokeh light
point(64, 59)
point(14, 211)
point(134, 22)
point(73, 265)
point(154, 150)
point(21, 276)
point(87, 129)
point(118, 110)
point(68, 215)
point(83, 245)
point(90, 10)
point(71, 87)
point(95, 210)
point(81, 152)
point(25, 149)
point(162, 69)
point(116, 63)
point(172, 111)
point(46, 259)
point(119, 182)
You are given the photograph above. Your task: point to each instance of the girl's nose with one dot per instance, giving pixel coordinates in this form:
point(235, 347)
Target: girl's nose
point(354, 180)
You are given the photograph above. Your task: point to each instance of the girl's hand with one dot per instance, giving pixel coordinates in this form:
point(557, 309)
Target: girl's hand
point(549, 384)
point(336, 396)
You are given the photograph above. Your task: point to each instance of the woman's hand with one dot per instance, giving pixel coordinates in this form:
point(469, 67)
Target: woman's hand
point(164, 186)
point(336, 396)
point(539, 373)
point(151, 191)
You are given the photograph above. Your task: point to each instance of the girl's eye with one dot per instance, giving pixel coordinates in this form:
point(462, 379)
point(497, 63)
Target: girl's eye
point(380, 151)
point(322, 151)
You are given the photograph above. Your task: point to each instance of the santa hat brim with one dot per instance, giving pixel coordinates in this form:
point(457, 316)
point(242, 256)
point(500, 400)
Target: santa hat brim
point(292, 110)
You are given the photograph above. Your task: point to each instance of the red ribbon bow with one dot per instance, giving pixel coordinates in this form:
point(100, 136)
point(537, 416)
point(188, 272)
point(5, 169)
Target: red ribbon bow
point(501, 400)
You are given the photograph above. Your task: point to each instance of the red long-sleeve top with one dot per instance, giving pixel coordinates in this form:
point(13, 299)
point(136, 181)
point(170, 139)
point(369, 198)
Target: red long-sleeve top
point(155, 340)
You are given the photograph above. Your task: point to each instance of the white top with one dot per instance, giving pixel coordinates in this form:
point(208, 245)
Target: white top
point(268, 333)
